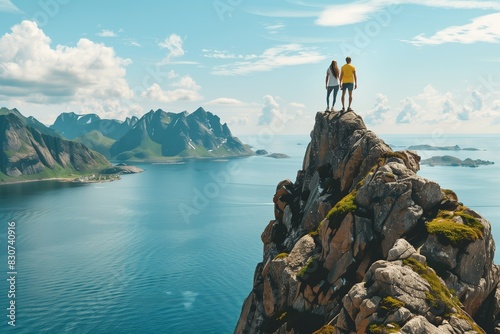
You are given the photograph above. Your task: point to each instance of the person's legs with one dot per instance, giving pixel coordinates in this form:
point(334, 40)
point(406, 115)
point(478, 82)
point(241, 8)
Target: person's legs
point(335, 91)
point(343, 96)
point(350, 99)
point(328, 92)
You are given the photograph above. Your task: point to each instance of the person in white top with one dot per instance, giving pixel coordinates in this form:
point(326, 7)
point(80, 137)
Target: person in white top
point(332, 84)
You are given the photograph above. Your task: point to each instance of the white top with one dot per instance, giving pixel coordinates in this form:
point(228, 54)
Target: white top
point(332, 81)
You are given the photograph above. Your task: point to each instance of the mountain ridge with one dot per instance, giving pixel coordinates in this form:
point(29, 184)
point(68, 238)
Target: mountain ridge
point(155, 136)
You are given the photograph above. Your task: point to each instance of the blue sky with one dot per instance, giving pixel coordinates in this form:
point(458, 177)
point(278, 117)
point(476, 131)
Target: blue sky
point(429, 66)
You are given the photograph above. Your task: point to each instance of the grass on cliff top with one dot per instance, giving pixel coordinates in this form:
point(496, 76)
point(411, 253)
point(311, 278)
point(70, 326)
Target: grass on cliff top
point(450, 232)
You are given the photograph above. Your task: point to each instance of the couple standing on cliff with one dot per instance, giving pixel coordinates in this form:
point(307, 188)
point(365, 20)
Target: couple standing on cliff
point(346, 81)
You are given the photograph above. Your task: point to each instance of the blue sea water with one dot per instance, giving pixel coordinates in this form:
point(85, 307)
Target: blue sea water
point(173, 249)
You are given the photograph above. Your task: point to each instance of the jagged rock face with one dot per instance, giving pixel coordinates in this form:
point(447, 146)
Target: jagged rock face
point(358, 226)
point(26, 151)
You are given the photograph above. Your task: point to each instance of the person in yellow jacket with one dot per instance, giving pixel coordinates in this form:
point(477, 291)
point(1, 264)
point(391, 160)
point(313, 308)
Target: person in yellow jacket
point(348, 81)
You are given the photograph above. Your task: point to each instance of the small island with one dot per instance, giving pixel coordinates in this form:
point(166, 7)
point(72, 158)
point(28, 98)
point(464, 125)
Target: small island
point(278, 156)
point(440, 148)
point(448, 160)
point(122, 168)
point(261, 152)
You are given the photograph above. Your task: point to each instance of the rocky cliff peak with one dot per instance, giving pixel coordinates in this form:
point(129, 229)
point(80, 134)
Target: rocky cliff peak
point(360, 243)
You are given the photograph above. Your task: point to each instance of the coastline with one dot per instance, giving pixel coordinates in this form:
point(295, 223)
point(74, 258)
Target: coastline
point(60, 179)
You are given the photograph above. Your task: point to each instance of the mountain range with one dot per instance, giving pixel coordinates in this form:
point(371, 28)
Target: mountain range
point(81, 144)
point(156, 136)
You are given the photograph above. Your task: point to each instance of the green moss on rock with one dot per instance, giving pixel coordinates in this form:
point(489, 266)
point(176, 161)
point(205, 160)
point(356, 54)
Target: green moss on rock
point(343, 207)
point(438, 296)
point(389, 304)
point(326, 329)
point(281, 256)
point(383, 328)
point(309, 268)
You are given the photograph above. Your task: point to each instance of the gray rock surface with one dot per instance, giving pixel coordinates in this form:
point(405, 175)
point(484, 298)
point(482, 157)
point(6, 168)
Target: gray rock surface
point(356, 226)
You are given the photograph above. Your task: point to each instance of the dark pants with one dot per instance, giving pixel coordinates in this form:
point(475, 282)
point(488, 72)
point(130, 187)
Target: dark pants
point(328, 92)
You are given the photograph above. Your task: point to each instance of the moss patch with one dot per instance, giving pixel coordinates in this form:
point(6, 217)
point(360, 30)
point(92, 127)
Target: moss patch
point(444, 301)
point(450, 232)
point(326, 329)
point(309, 268)
point(450, 195)
point(343, 207)
point(281, 256)
point(301, 322)
point(439, 297)
point(383, 328)
point(471, 221)
point(390, 304)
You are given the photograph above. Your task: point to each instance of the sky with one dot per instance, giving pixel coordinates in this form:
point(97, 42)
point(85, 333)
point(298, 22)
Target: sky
point(428, 66)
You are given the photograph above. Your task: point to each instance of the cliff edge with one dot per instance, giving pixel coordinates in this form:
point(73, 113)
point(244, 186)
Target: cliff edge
point(361, 244)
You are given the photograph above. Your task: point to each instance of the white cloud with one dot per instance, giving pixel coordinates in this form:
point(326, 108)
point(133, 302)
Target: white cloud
point(106, 33)
point(364, 10)
point(437, 109)
point(174, 45)
point(9, 7)
point(279, 56)
point(274, 28)
point(482, 29)
point(409, 111)
point(222, 54)
point(30, 68)
point(187, 90)
point(296, 105)
point(132, 42)
point(270, 111)
point(226, 101)
point(377, 114)
point(344, 14)
point(455, 4)
point(496, 105)
point(272, 12)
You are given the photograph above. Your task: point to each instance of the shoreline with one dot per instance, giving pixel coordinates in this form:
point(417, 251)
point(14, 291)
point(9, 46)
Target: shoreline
point(59, 179)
